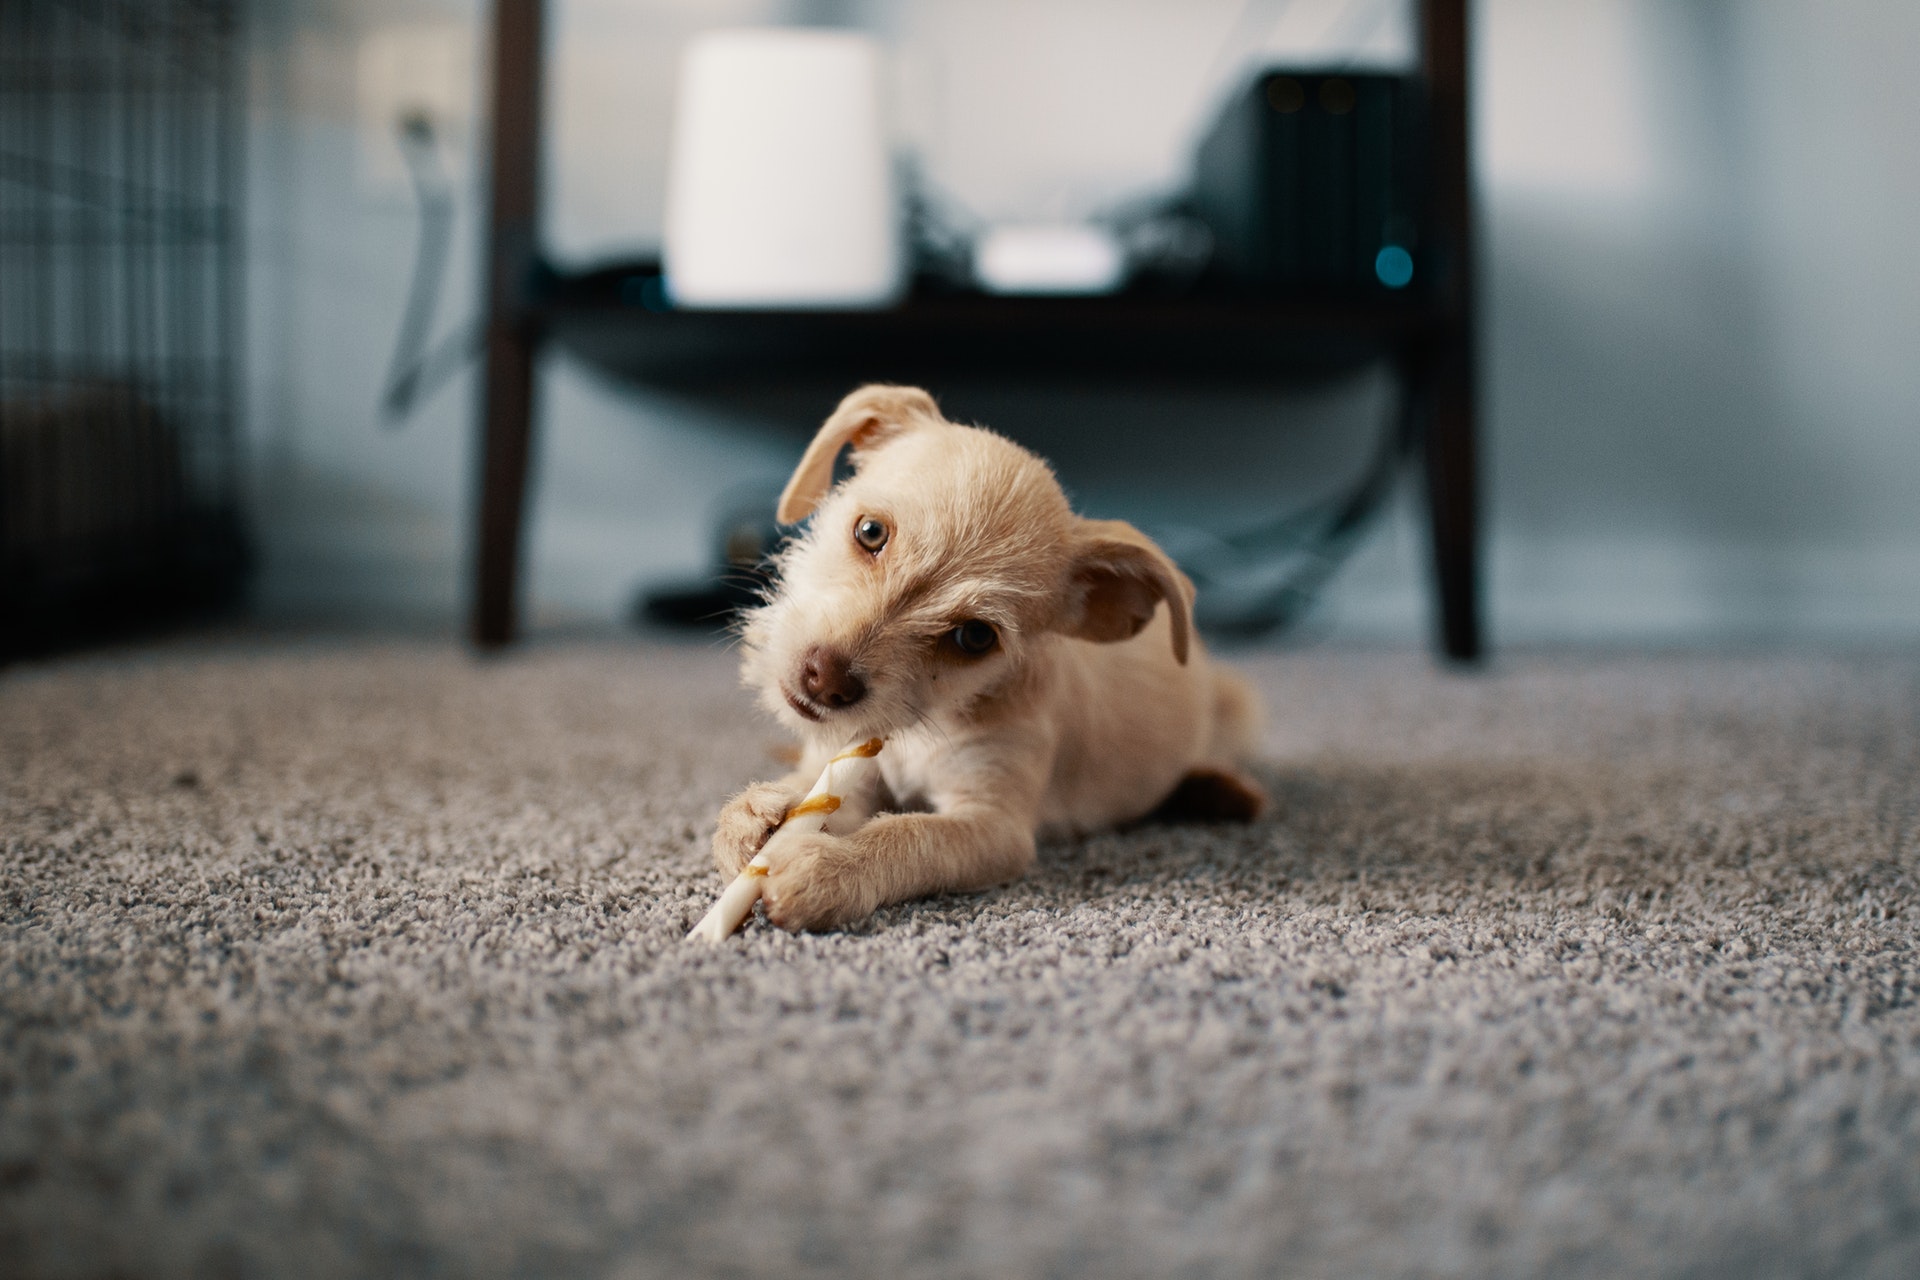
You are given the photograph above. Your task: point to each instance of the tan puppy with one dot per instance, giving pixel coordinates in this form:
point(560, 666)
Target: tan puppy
point(1016, 657)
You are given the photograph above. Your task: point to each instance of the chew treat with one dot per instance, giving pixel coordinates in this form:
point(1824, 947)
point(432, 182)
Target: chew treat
point(840, 802)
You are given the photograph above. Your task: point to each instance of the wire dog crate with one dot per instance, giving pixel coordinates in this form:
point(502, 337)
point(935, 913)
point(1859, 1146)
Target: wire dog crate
point(120, 240)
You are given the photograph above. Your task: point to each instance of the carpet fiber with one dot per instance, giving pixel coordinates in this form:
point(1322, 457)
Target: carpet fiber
point(362, 958)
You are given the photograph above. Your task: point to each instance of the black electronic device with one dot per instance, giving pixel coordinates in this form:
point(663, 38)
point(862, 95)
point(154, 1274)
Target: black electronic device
point(1311, 181)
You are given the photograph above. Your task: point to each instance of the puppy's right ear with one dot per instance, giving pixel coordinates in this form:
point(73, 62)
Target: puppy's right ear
point(1119, 578)
point(865, 420)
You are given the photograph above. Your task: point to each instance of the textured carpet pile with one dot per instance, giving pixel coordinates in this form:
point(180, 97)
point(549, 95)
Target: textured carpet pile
point(361, 958)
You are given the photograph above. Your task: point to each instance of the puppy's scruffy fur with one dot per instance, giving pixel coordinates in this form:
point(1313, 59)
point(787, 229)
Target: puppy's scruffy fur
point(1032, 671)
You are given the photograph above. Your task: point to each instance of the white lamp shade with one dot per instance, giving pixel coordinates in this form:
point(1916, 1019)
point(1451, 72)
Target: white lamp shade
point(780, 186)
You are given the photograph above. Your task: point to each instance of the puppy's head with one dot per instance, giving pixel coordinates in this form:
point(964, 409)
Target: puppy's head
point(927, 577)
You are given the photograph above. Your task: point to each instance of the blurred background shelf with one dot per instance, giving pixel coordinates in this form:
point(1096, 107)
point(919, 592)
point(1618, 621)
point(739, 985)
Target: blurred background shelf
point(616, 318)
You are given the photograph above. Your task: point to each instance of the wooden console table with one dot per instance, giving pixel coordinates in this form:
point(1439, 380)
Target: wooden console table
point(612, 317)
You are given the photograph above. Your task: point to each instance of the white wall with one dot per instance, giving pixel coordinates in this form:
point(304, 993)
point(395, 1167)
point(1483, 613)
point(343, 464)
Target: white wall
point(1701, 303)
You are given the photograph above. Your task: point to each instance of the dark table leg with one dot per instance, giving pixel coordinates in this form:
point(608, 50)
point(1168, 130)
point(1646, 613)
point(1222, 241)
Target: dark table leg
point(1443, 374)
point(1448, 449)
point(506, 442)
point(513, 336)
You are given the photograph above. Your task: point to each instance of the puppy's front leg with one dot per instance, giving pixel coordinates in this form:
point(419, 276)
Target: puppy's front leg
point(750, 817)
point(820, 881)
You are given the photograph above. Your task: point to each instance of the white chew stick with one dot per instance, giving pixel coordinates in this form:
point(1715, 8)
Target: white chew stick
point(839, 803)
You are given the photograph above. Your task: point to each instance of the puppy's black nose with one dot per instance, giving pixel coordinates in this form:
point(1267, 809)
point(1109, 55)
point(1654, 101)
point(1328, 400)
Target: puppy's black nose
point(828, 678)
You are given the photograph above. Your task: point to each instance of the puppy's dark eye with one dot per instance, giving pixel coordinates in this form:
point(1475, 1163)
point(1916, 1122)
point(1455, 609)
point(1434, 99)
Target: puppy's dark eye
point(974, 637)
point(870, 533)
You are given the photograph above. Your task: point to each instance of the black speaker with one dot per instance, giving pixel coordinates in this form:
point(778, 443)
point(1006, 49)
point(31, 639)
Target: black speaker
point(1313, 182)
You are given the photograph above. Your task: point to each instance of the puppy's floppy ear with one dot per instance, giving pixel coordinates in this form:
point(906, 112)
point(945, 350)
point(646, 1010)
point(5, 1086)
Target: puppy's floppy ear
point(1119, 577)
point(866, 419)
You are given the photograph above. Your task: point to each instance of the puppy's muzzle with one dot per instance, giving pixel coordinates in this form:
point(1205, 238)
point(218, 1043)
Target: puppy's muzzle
point(828, 679)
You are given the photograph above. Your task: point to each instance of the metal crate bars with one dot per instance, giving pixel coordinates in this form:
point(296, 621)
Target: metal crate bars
point(120, 241)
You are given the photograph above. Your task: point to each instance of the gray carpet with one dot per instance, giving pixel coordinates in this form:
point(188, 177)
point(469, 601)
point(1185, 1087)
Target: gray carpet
point(338, 959)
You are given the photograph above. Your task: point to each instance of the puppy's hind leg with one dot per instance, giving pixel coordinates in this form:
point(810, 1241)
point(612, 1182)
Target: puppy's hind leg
point(1212, 794)
point(1215, 791)
point(1236, 717)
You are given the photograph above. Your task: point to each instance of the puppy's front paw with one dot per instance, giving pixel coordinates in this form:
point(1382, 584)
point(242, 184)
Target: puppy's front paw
point(746, 822)
point(814, 883)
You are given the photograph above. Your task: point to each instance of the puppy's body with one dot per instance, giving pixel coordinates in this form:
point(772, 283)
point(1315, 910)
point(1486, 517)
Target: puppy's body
point(1032, 671)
